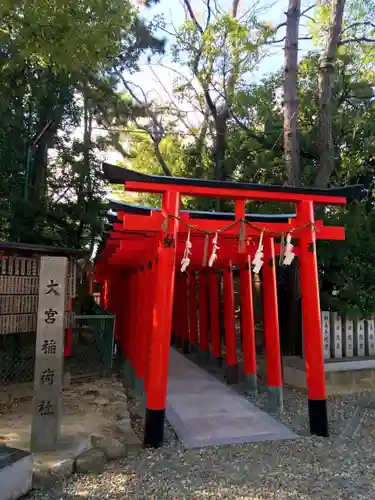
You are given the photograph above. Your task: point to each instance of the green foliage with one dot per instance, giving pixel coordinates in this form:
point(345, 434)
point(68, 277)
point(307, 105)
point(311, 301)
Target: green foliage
point(69, 34)
point(62, 66)
point(59, 63)
point(142, 158)
point(347, 268)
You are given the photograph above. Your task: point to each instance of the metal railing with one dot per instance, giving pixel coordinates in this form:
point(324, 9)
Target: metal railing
point(92, 349)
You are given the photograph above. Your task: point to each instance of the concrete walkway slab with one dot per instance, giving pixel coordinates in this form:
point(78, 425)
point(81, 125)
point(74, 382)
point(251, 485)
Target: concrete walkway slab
point(205, 412)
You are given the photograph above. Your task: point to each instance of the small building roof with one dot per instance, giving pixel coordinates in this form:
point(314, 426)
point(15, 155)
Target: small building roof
point(11, 248)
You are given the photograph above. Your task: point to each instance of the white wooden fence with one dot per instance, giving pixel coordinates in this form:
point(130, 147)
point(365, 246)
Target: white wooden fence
point(347, 338)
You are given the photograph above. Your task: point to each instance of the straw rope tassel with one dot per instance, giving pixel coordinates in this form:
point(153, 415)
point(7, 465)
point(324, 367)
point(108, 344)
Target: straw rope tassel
point(215, 248)
point(187, 252)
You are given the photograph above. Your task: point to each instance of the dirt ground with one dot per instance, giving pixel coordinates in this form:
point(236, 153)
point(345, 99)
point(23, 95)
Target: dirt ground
point(92, 406)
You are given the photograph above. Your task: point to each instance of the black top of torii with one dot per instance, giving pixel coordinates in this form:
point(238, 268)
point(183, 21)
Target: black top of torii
point(119, 175)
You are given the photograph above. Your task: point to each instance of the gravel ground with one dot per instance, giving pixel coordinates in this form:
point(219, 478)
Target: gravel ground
point(341, 467)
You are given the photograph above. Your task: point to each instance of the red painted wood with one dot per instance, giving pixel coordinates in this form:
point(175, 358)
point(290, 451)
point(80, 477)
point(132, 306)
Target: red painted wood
point(151, 290)
point(163, 305)
point(229, 317)
point(147, 225)
point(134, 327)
point(68, 347)
point(142, 318)
point(214, 307)
point(124, 307)
point(176, 313)
point(181, 328)
point(193, 316)
point(203, 313)
point(313, 340)
point(233, 194)
point(271, 318)
point(247, 318)
point(240, 209)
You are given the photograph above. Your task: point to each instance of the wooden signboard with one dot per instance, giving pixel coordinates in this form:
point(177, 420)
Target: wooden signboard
point(19, 284)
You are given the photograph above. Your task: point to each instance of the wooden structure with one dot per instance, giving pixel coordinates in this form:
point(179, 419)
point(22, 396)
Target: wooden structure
point(19, 285)
point(152, 299)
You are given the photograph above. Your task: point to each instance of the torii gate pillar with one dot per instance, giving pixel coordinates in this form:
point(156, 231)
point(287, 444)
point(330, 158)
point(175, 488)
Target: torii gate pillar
point(156, 398)
point(312, 333)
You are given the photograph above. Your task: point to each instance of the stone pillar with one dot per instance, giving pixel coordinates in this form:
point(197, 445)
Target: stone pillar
point(49, 355)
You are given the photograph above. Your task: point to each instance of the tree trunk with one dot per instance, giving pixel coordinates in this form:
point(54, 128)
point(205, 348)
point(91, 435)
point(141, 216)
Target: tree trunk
point(289, 293)
point(291, 146)
point(220, 146)
point(326, 73)
point(85, 174)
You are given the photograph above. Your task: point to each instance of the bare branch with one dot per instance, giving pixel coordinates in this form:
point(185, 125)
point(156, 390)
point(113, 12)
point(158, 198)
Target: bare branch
point(303, 14)
point(156, 144)
point(309, 18)
point(187, 80)
point(115, 139)
point(281, 25)
point(192, 16)
point(308, 9)
point(161, 160)
point(362, 39)
point(172, 102)
point(157, 133)
point(209, 13)
point(204, 127)
point(358, 25)
point(284, 37)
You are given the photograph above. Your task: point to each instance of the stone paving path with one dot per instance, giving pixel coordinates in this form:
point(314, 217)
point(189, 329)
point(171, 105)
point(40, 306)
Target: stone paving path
point(205, 412)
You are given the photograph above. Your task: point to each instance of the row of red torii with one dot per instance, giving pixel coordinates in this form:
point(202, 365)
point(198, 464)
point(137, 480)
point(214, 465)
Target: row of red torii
point(139, 266)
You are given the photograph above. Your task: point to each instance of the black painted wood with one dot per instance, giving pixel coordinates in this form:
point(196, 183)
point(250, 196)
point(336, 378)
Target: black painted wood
point(119, 175)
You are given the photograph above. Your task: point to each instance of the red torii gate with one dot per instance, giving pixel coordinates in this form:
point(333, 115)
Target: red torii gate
point(151, 244)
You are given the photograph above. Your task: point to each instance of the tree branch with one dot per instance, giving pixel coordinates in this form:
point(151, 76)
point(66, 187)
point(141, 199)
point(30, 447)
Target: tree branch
point(303, 13)
point(177, 111)
point(362, 39)
point(161, 160)
point(359, 24)
point(264, 142)
point(284, 37)
point(156, 135)
point(192, 16)
point(209, 13)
